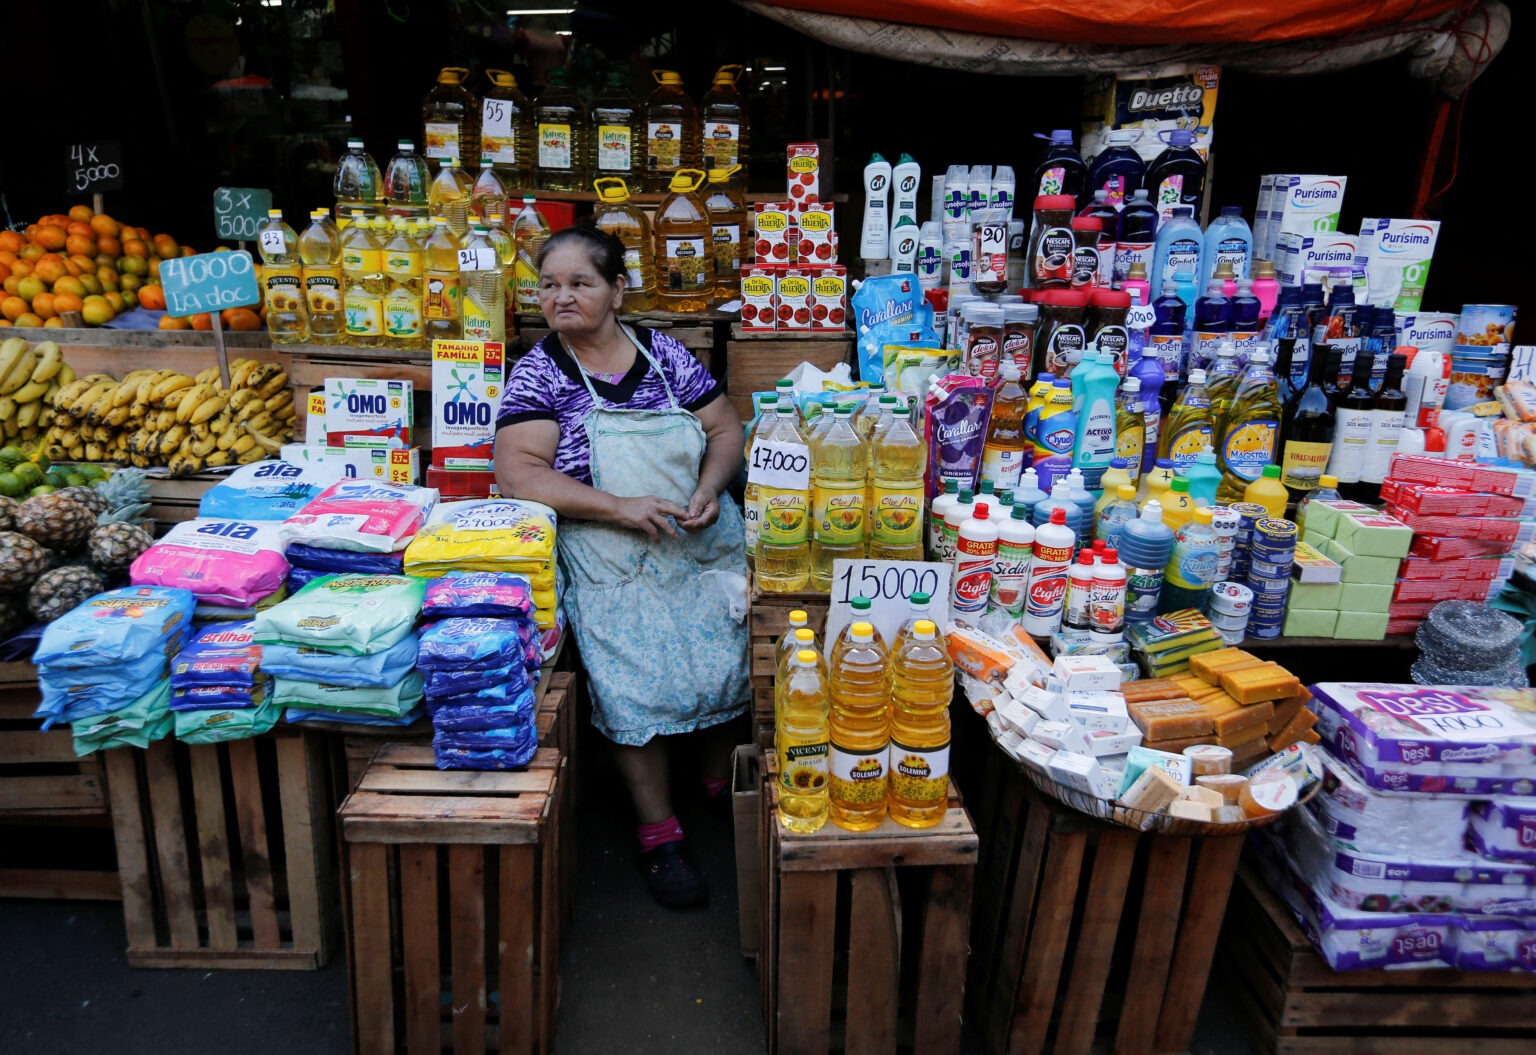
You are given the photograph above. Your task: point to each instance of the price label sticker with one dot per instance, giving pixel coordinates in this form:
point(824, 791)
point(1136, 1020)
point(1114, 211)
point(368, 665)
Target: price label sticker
point(239, 212)
point(786, 466)
point(478, 259)
point(208, 282)
point(272, 241)
point(888, 584)
point(94, 166)
point(1140, 317)
point(496, 118)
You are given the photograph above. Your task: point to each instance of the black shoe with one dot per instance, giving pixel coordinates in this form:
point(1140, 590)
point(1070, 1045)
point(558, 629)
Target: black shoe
point(674, 881)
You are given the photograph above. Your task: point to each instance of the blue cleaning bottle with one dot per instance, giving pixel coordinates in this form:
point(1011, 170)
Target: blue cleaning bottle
point(1180, 245)
point(1059, 498)
point(1148, 369)
point(1165, 340)
point(1204, 477)
point(1177, 175)
point(1212, 325)
point(1245, 320)
point(1055, 434)
point(1118, 169)
point(1313, 306)
point(1228, 238)
point(1138, 236)
point(1184, 286)
point(1383, 340)
point(1093, 390)
point(1080, 496)
point(1290, 335)
point(1146, 543)
point(1061, 169)
point(1028, 493)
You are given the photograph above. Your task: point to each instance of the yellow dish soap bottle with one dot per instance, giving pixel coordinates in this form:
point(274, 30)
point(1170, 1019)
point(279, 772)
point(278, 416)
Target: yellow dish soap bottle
point(1268, 491)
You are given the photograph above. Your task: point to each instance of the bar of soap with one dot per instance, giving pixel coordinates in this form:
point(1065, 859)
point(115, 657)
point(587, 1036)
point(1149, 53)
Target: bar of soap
point(1210, 665)
point(1228, 785)
point(1099, 711)
point(1311, 566)
point(1105, 745)
point(1014, 715)
point(1051, 706)
point(1308, 622)
point(1171, 762)
point(1178, 744)
point(1241, 737)
point(1083, 772)
point(1249, 753)
point(1361, 626)
point(1364, 597)
point(1200, 793)
point(1036, 756)
point(1150, 689)
point(1171, 719)
point(1362, 567)
point(1373, 534)
point(1189, 810)
point(1267, 681)
point(1080, 673)
point(980, 655)
point(1229, 815)
point(1063, 736)
point(1206, 759)
point(1285, 710)
point(1152, 790)
point(1316, 596)
point(1292, 731)
point(1235, 718)
point(1323, 517)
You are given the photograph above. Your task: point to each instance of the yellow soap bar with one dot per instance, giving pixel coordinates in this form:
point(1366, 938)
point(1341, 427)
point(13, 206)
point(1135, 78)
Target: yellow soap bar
point(1266, 681)
point(1189, 810)
point(1237, 739)
point(1285, 710)
point(1301, 723)
point(1237, 718)
point(1152, 791)
point(1200, 793)
point(1148, 689)
point(1170, 719)
point(1249, 753)
point(1209, 666)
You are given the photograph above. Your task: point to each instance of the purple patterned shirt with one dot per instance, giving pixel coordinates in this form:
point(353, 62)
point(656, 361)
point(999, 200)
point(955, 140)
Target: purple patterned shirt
point(546, 386)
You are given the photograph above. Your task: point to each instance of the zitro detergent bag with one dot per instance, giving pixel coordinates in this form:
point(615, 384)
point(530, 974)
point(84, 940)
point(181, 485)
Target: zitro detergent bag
point(470, 643)
point(271, 490)
point(390, 702)
point(456, 681)
point(138, 724)
point(334, 668)
point(233, 563)
point(362, 515)
point(353, 614)
point(220, 726)
point(478, 593)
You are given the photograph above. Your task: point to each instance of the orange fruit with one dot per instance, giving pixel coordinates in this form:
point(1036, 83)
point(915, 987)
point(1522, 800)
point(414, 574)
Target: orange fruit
point(51, 236)
point(6, 322)
point(50, 270)
point(104, 225)
point(91, 283)
point(115, 299)
point(33, 252)
point(152, 297)
point(63, 302)
point(10, 285)
point(30, 287)
point(54, 323)
point(109, 245)
point(28, 319)
point(5, 272)
point(73, 268)
point(80, 245)
point(129, 283)
point(12, 242)
point(154, 267)
point(135, 247)
point(13, 308)
point(133, 265)
point(82, 229)
point(83, 262)
point(23, 268)
point(187, 250)
point(202, 322)
point(42, 304)
point(166, 246)
point(241, 319)
point(7, 257)
point(82, 213)
point(69, 284)
point(97, 312)
point(107, 277)
point(168, 323)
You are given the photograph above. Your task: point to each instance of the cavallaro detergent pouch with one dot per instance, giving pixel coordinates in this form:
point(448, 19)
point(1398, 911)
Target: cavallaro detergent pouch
point(956, 423)
point(223, 654)
point(882, 299)
point(221, 725)
point(389, 701)
point(478, 593)
point(333, 668)
point(270, 490)
point(234, 563)
point(357, 615)
point(362, 515)
point(470, 643)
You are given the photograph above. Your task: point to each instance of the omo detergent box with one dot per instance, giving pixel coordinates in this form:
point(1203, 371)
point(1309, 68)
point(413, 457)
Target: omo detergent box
point(1392, 262)
point(361, 412)
point(1181, 95)
point(468, 379)
point(395, 465)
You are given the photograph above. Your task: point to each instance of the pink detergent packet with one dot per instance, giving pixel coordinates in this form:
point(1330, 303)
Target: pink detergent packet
point(478, 593)
point(228, 563)
point(958, 409)
point(365, 516)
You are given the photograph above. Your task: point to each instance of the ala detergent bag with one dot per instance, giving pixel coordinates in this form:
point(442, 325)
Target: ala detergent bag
point(270, 490)
point(234, 563)
point(367, 516)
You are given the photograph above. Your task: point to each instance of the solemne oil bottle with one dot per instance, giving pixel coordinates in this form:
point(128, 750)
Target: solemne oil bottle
point(860, 728)
point(685, 260)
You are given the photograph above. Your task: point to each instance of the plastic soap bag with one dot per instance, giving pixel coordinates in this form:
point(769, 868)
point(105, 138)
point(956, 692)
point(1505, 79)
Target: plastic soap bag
point(368, 516)
point(228, 562)
point(352, 614)
point(269, 490)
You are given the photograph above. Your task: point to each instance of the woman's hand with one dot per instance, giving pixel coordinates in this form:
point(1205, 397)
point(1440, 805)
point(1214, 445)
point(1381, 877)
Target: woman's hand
point(703, 509)
point(649, 514)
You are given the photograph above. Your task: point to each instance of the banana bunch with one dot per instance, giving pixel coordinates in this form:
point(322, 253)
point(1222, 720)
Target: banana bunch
point(163, 417)
point(30, 376)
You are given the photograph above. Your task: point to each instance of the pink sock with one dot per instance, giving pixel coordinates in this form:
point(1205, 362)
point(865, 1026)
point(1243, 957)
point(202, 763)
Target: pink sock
point(714, 787)
point(654, 835)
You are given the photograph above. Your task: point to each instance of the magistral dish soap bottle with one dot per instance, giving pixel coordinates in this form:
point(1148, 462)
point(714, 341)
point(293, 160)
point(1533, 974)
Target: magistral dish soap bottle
point(1251, 432)
point(1188, 427)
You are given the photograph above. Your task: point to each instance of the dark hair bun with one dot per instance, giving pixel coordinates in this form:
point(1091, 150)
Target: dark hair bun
point(604, 251)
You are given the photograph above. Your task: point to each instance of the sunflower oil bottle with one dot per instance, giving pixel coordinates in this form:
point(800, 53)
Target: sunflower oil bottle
point(487, 192)
point(922, 682)
point(405, 271)
point(506, 255)
point(801, 740)
point(320, 250)
point(362, 270)
point(789, 644)
point(839, 474)
point(671, 132)
point(1251, 438)
point(685, 272)
point(450, 116)
point(529, 232)
point(619, 217)
point(860, 729)
point(506, 129)
point(898, 464)
point(406, 182)
point(449, 197)
point(282, 273)
point(441, 299)
point(358, 184)
point(728, 228)
point(783, 532)
point(724, 126)
point(618, 134)
point(751, 500)
point(484, 304)
point(564, 138)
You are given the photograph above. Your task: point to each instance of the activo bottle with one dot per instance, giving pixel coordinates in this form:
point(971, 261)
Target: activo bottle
point(320, 249)
point(922, 684)
point(802, 741)
point(860, 729)
point(283, 277)
point(1093, 391)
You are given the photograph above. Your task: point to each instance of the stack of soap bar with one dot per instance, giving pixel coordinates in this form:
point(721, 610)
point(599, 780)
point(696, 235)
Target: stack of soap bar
point(1259, 682)
point(1209, 667)
point(1323, 517)
point(1165, 645)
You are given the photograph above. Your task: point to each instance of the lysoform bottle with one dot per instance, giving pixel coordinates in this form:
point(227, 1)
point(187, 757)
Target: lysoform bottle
point(861, 735)
point(922, 683)
point(617, 215)
point(442, 296)
point(728, 231)
point(450, 117)
point(362, 265)
point(839, 467)
point(320, 249)
point(563, 136)
point(685, 261)
point(1188, 427)
point(484, 303)
point(283, 277)
point(802, 741)
point(529, 232)
point(618, 134)
point(783, 532)
point(506, 129)
point(405, 271)
point(898, 462)
point(1251, 438)
point(672, 140)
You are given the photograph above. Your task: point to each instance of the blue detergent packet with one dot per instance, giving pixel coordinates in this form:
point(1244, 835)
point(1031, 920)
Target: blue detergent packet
point(298, 578)
point(70, 694)
point(380, 670)
point(458, 682)
point(478, 643)
point(217, 697)
point(223, 654)
point(301, 555)
point(302, 714)
point(478, 593)
point(476, 716)
point(266, 490)
point(510, 752)
point(119, 626)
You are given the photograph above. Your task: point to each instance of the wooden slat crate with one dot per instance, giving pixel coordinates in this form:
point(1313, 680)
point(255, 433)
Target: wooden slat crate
point(1084, 903)
point(864, 934)
point(768, 621)
point(746, 814)
point(173, 500)
point(117, 352)
point(700, 333)
point(1296, 1004)
point(454, 920)
point(225, 852)
point(51, 801)
point(557, 728)
point(754, 362)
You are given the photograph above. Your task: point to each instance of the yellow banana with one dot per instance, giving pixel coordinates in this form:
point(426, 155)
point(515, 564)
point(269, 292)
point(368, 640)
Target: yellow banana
point(265, 442)
point(204, 447)
point(263, 422)
point(30, 392)
point(172, 384)
point(28, 413)
point(194, 397)
point(11, 351)
point(282, 399)
point(243, 444)
point(21, 373)
point(227, 437)
point(7, 408)
point(241, 396)
point(118, 416)
point(66, 394)
point(66, 374)
point(95, 452)
point(274, 385)
point(209, 376)
point(172, 438)
point(217, 458)
point(128, 388)
point(208, 409)
point(239, 370)
point(98, 410)
point(50, 361)
point(255, 454)
point(87, 399)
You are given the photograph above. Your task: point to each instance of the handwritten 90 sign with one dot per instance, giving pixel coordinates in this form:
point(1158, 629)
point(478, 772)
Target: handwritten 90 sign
point(208, 282)
point(239, 212)
point(90, 168)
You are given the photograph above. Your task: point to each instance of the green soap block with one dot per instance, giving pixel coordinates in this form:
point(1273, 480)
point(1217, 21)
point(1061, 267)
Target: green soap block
point(1361, 626)
point(1309, 622)
point(1316, 539)
point(1374, 535)
point(1379, 571)
point(1375, 598)
point(1317, 596)
point(1334, 551)
point(1323, 517)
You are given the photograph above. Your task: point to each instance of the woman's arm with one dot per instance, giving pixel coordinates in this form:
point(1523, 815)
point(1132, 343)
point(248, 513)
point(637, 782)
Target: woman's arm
point(525, 456)
point(722, 461)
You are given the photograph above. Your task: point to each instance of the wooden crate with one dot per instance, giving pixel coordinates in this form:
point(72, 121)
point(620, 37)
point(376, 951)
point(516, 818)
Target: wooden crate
point(557, 728)
point(864, 934)
point(1129, 905)
point(117, 352)
point(1295, 1003)
point(173, 500)
point(225, 852)
point(754, 362)
point(768, 621)
point(454, 924)
point(746, 814)
point(50, 800)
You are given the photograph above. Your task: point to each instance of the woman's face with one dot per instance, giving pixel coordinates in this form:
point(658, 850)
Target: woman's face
point(576, 299)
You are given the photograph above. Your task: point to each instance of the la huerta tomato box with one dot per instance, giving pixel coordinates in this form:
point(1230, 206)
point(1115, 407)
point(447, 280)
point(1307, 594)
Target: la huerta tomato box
point(468, 379)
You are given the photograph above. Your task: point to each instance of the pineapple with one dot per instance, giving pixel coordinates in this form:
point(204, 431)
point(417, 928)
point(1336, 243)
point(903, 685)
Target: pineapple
point(127, 497)
point(115, 546)
point(86, 496)
point(21, 561)
point(8, 507)
point(55, 521)
point(63, 590)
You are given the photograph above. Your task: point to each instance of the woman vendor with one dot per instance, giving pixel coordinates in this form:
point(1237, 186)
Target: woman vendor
point(624, 434)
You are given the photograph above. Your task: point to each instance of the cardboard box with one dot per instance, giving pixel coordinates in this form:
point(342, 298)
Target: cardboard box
point(1433, 500)
point(1301, 204)
point(759, 304)
point(1392, 261)
point(460, 483)
point(1437, 547)
point(1317, 257)
point(803, 175)
point(468, 380)
point(1484, 569)
point(1310, 566)
point(773, 224)
point(1447, 472)
point(1178, 95)
point(346, 408)
point(395, 465)
point(1483, 529)
point(793, 292)
point(818, 235)
point(829, 298)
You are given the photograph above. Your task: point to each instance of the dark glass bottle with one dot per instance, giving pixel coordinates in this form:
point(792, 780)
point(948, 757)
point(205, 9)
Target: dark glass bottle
point(1352, 428)
point(1389, 409)
point(1307, 434)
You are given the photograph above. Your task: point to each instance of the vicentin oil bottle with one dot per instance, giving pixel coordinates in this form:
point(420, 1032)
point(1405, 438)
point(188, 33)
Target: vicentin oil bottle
point(790, 645)
point(1250, 437)
point(898, 462)
point(860, 730)
point(405, 272)
point(839, 468)
point(283, 277)
point(450, 117)
point(441, 299)
point(484, 304)
point(727, 132)
point(672, 132)
point(685, 262)
point(506, 129)
point(618, 134)
point(564, 136)
point(783, 562)
point(362, 265)
point(922, 684)
point(320, 249)
point(802, 742)
point(618, 216)
point(728, 230)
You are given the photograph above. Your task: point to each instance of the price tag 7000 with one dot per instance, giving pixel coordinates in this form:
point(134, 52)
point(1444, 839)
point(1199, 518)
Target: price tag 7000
point(786, 466)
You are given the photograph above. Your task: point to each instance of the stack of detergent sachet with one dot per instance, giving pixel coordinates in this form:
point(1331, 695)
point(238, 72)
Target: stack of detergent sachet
point(218, 689)
point(481, 653)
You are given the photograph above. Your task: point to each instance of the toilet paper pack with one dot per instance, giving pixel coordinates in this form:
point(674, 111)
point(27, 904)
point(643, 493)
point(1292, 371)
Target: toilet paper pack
point(1360, 818)
point(1505, 829)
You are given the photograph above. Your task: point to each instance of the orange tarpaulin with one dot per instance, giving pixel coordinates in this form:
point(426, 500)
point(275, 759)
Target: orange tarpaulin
point(1145, 21)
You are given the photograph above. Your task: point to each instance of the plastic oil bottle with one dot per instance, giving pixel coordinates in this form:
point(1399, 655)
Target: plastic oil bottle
point(789, 644)
point(506, 128)
point(443, 295)
point(922, 682)
point(1188, 426)
point(357, 185)
point(529, 232)
point(1250, 439)
point(728, 228)
point(783, 533)
point(801, 740)
point(618, 134)
point(618, 216)
point(671, 132)
point(484, 303)
point(506, 254)
point(487, 193)
point(751, 500)
point(861, 733)
point(564, 138)
point(898, 464)
point(406, 182)
point(839, 470)
point(685, 273)
point(797, 638)
point(320, 250)
point(450, 116)
point(405, 272)
point(725, 125)
point(449, 197)
point(362, 266)
point(283, 276)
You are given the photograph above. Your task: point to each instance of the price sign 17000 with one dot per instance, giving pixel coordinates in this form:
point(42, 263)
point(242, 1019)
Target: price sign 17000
point(786, 466)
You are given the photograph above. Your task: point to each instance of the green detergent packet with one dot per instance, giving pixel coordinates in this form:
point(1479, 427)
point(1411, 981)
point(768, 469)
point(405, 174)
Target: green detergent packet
point(221, 726)
point(139, 724)
point(390, 702)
